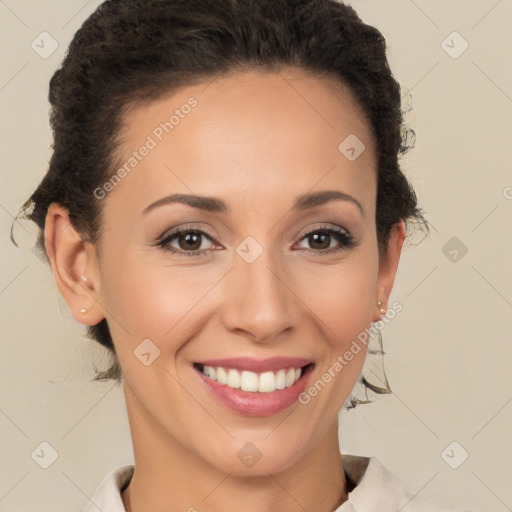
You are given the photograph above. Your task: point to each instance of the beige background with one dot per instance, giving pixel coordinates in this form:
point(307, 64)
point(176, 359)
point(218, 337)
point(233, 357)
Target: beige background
point(448, 353)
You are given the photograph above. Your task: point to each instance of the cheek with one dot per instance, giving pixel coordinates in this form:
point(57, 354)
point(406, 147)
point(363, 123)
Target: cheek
point(156, 301)
point(342, 299)
point(342, 295)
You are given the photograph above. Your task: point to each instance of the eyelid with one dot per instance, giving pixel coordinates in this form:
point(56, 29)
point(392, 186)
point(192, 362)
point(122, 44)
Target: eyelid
point(190, 226)
point(187, 227)
point(340, 233)
point(350, 241)
point(325, 226)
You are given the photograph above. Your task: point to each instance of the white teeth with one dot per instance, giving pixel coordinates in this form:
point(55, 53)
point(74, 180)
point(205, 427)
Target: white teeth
point(280, 379)
point(290, 377)
point(249, 381)
point(222, 376)
point(233, 378)
point(265, 382)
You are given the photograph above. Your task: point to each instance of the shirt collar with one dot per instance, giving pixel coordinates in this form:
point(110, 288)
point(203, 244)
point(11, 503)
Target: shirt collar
point(107, 497)
point(373, 489)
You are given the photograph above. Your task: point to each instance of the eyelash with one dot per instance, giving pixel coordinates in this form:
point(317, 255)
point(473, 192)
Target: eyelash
point(347, 240)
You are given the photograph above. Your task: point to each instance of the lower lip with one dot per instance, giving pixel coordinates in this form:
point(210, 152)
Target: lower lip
point(255, 403)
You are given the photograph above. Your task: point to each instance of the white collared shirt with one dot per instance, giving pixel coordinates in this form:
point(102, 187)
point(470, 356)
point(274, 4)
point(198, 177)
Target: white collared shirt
point(376, 490)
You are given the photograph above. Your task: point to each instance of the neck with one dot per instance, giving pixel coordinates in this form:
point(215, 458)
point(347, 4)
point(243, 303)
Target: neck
point(168, 476)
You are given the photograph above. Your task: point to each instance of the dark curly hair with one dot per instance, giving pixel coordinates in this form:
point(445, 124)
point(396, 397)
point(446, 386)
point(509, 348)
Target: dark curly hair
point(132, 51)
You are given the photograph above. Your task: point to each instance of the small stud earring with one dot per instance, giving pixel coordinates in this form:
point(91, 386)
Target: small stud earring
point(83, 311)
point(83, 278)
point(381, 309)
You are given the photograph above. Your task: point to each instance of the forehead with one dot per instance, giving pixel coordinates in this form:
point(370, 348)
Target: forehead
point(246, 133)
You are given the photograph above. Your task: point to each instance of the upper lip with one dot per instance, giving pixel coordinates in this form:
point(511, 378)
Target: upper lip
point(257, 365)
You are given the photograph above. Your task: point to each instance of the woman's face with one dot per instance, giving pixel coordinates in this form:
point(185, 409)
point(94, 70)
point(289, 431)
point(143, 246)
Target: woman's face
point(247, 281)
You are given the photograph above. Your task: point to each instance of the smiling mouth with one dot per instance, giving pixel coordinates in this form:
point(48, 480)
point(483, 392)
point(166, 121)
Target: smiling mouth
point(264, 382)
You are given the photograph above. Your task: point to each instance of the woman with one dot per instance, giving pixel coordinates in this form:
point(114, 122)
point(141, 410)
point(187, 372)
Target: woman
point(225, 210)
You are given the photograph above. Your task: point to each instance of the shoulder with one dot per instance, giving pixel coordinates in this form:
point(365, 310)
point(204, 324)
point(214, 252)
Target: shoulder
point(374, 488)
point(107, 496)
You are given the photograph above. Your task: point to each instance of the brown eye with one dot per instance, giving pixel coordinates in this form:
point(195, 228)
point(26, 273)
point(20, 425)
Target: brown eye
point(188, 241)
point(319, 240)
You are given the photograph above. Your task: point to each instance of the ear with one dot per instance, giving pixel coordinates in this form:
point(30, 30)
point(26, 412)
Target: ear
point(72, 260)
point(388, 265)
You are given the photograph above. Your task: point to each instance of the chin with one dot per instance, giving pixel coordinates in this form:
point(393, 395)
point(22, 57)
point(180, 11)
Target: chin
point(256, 458)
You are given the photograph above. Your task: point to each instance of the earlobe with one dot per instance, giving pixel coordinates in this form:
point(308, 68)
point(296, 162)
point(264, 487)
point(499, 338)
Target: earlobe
point(70, 259)
point(389, 263)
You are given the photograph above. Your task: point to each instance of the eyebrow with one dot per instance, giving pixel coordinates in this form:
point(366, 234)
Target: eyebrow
point(216, 205)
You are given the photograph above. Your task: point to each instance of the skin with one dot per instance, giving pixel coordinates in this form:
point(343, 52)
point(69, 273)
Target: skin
point(257, 140)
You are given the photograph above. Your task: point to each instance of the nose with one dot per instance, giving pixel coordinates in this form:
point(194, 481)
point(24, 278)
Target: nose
point(259, 303)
